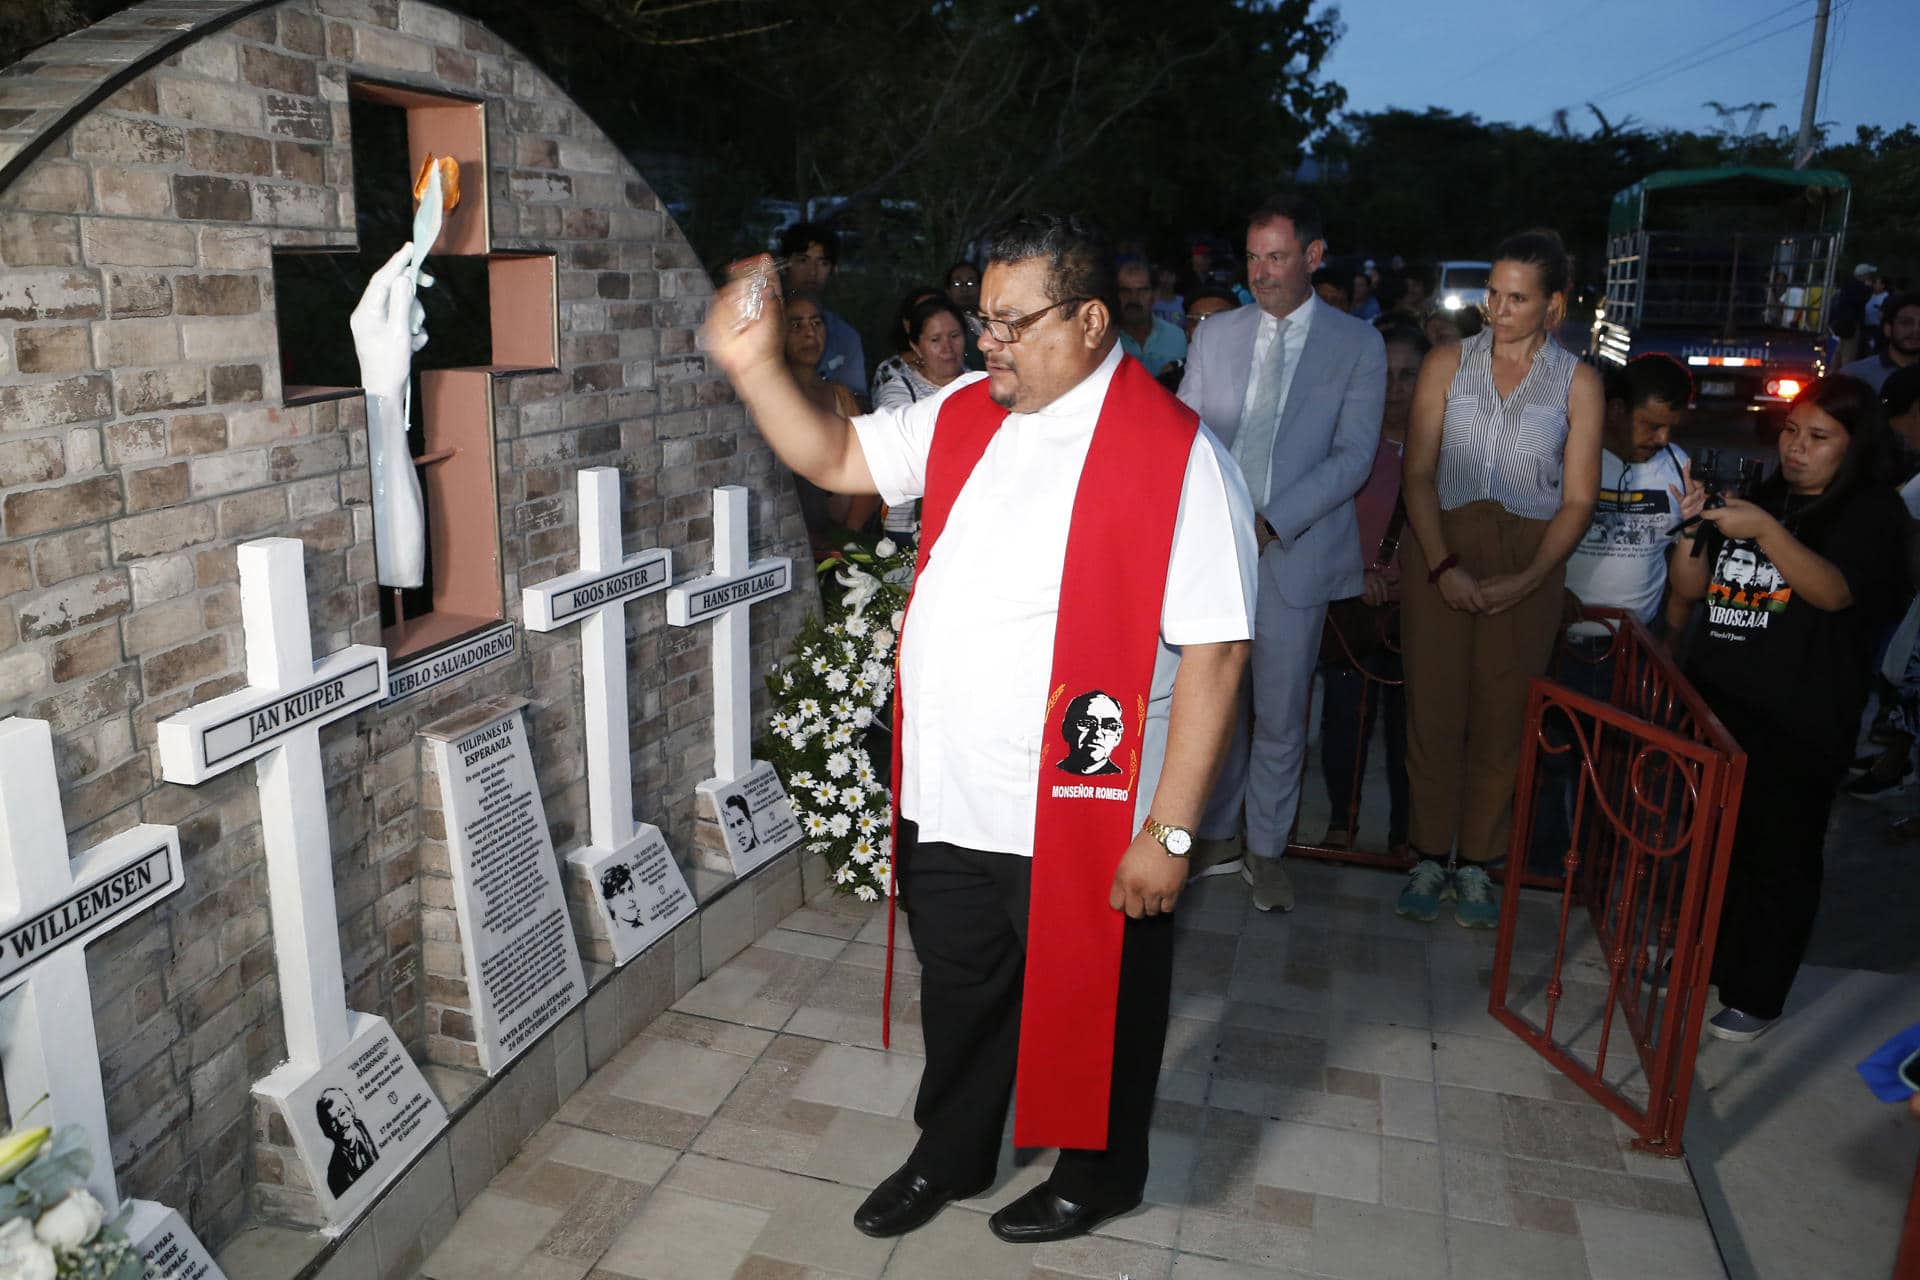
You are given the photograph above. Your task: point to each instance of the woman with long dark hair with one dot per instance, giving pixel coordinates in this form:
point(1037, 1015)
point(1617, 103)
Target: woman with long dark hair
point(1804, 577)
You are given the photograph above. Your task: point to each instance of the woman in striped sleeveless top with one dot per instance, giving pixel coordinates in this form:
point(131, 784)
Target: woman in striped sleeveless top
point(1501, 472)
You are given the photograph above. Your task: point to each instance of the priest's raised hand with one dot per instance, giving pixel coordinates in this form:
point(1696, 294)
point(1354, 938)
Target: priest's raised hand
point(745, 335)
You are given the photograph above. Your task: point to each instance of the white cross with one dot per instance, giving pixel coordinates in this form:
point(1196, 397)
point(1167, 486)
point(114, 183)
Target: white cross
point(275, 721)
point(725, 596)
point(595, 597)
point(50, 908)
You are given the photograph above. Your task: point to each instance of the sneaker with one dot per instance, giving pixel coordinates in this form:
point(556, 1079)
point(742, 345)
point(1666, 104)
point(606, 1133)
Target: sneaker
point(1474, 906)
point(1428, 884)
point(1272, 889)
point(1888, 774)
point(1215, 858)
point(1731, 1024)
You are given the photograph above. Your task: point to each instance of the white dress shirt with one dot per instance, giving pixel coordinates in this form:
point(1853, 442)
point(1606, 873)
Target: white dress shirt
point(1299, 320)
point(978, 653)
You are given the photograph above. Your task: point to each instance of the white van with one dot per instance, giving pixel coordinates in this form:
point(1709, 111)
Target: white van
point(1462, 284)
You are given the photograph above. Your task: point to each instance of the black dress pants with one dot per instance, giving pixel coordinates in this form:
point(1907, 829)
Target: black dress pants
point(968, 918)
point(1773, 877)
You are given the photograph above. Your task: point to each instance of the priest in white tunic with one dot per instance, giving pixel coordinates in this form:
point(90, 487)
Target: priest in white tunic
point(1086, 578)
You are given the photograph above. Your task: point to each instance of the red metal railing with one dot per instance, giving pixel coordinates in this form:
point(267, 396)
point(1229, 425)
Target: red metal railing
point(1374, 688)
point(1653, 786)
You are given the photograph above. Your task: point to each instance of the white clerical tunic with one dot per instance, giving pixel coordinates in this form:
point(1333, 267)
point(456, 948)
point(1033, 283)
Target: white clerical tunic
point(978, 652)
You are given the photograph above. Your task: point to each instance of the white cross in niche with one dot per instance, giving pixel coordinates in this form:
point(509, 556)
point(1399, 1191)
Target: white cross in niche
point(276, 722)
point(50, 908)
point(641, 902)
point(724, 596)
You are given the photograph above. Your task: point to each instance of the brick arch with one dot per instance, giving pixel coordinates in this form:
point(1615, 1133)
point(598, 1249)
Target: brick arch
point(143, 436)
point(49, 90)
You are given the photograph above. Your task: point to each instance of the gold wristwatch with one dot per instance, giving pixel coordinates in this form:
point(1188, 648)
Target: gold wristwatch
point(1177, 841)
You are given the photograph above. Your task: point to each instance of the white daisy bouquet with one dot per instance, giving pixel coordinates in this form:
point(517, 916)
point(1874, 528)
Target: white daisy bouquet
point(51, 1227)
point(830, 737)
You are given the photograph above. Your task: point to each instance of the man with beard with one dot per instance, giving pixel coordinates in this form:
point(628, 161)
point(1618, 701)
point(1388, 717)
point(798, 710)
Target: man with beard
point(1143, 335)
point(1900, 342)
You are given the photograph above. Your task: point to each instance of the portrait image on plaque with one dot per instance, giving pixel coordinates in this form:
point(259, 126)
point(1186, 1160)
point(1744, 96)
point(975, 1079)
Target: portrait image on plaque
point(755, 816)
point(638, 891)
point(357, 1122)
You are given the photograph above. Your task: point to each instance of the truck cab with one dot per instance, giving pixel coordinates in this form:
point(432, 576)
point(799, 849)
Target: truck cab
point(1729, 271)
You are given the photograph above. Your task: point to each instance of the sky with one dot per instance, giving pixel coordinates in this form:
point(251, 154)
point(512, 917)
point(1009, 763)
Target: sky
point(1656, 60)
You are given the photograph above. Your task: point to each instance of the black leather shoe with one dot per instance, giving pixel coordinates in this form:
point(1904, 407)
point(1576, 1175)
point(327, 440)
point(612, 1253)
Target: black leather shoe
point(904, 1201)
point(1040, 1215)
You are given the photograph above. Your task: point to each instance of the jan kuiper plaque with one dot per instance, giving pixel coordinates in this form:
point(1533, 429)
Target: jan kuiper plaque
point(523, 966)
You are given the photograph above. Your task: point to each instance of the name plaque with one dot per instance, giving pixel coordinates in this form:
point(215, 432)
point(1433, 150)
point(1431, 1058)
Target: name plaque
point(704, 597)
point(91, 909)
point(561, 600)
point(443, 665)
point(213, 737)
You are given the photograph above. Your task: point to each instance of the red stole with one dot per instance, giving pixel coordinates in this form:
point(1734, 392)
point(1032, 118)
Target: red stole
point(1105, 642)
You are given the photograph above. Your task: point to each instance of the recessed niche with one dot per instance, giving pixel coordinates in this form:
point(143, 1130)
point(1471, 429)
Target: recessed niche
point(487, 312)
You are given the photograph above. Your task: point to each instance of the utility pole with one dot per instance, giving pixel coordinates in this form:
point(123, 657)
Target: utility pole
point(1810, 100)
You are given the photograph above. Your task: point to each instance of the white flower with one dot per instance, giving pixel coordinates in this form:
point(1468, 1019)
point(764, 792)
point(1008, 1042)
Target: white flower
point(72, 1222)
point(872, 672)
point(819, 846)
point(899, 616)
point(852, 797)
point(868, 824)
point(786, 684)
point(839, 824)
point(819, 666)
point(866, 893)
point(859, 688)
point(816, 825)
point(802, 780)
point(839, 764)
point(847, 651)
point(861, 587)
point(809, 708)
point(842, 736)
point(856, 626)
point(864, 774)
point(837, 681)
point(886, 548)
point(842, 710)
point(824, 794)
point(836, 629)
point(878, 698)
point(862, 717)
point(845, 875)
point(862, 851)
point(883, 641)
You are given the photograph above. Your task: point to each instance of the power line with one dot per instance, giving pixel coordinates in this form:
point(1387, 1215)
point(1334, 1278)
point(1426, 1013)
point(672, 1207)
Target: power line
point(1672, 65)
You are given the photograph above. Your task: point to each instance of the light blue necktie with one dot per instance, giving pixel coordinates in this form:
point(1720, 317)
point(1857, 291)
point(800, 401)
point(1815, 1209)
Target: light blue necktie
point(1253, 443)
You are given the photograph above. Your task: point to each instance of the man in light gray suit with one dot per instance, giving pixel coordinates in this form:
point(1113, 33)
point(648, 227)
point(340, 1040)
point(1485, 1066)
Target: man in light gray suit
point(1293, 389)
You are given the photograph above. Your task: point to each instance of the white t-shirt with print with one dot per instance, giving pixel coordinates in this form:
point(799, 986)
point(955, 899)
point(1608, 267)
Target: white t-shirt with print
point(1621, 561)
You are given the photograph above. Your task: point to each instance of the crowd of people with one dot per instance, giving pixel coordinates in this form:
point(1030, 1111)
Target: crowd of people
point(1344, 482)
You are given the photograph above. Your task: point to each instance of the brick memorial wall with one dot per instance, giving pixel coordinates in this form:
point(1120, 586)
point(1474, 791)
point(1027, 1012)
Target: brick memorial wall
point(144, 434)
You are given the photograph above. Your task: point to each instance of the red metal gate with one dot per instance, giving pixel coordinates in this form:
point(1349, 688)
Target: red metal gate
point(1651, 785)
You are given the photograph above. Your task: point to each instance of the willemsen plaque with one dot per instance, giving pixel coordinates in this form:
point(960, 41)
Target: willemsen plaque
point(92, 908)
point(754, 815)
point(523, 968)
point(638, 891)
point(358, 1121)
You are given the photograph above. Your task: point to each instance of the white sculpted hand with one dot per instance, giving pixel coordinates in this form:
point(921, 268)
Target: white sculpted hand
point(385, 336)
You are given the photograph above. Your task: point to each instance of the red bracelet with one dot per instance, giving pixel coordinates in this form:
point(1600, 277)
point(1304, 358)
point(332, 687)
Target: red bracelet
point(1449, 563)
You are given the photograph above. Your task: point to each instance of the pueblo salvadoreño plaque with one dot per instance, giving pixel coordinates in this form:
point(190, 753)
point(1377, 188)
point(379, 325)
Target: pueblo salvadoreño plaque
point(523, 967)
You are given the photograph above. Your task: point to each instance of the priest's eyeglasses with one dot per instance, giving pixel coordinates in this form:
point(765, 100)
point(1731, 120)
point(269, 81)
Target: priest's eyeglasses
point(1009, 331)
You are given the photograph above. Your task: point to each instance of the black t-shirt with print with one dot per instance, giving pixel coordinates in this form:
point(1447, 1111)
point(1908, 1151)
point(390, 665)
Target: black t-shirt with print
point(1772, 665)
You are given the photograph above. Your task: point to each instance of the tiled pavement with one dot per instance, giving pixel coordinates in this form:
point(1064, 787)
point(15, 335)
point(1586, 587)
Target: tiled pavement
point(1335, 1102)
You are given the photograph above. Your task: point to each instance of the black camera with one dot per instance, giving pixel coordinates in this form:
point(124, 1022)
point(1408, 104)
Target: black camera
point(1742, 480)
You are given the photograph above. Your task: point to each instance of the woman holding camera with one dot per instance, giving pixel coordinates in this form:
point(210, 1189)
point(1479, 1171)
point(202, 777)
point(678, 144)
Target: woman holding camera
point(1803, 578)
